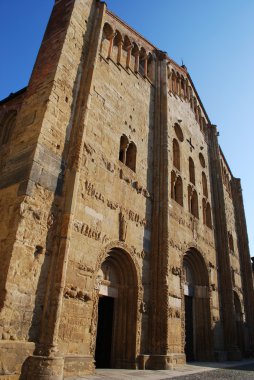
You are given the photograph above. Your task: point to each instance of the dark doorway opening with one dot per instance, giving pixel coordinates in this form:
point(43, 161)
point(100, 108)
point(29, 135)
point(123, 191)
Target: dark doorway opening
point(189, 341)
point(104, 332)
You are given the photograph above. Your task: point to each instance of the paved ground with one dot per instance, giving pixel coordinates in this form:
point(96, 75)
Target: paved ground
point(198, 371)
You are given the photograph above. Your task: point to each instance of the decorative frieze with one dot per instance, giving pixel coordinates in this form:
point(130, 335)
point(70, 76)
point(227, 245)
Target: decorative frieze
point(75, 293)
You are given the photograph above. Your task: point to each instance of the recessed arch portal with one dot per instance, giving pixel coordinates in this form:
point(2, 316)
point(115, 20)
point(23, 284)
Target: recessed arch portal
point(197, 307)
point(117, 311)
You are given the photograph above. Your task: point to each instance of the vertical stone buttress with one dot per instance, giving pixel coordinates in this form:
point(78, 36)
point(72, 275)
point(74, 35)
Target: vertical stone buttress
point(33, 178)
point(245, 262)
point(46, 359)
point(56, 105)
point(222, 249)
point(160, 247)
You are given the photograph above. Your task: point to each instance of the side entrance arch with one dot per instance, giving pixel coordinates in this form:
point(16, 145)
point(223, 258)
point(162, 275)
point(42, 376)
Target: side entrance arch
point(198, 332)
point(117, 312)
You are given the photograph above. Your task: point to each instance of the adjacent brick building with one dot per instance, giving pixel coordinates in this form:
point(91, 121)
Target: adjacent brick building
point(123, 240)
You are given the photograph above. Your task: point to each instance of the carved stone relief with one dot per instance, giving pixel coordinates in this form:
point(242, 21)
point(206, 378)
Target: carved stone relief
point(123, 225)
point(75, 293)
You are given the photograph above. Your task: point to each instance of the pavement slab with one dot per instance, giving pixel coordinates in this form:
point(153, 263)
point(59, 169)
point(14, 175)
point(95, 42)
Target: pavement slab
point(196, 371)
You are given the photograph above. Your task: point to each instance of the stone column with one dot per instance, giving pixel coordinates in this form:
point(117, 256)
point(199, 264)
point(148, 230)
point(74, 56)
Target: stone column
point(245, 260)
point(222, 249)
point(158, 317)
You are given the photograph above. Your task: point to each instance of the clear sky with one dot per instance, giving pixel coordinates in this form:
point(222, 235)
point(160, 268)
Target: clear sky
point(215, 40)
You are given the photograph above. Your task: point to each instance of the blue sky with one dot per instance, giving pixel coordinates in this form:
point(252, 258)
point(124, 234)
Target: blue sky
point(215, 40)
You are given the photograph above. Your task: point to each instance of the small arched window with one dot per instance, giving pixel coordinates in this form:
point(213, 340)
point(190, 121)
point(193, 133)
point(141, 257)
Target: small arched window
point(6, 127)
point(183, 89)
point(124, 142)
point(128, 153)
point(192, 170)
point(204, 184)
point(174, 85)
point(135, 58)
point(193, 201)
point(176, 188)
point(131, 156)
point(208, 215)
point(127, 46)
point(143, 62)
point(107, 40)
point(230, 242)
point(194, 204)
point(117, 47)
point(176, 154)
point(150, 67)
point(178, 84)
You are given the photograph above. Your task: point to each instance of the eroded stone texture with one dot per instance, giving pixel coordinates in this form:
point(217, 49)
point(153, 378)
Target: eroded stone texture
point(123, 238)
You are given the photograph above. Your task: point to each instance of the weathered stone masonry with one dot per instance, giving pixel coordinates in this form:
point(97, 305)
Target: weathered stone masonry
point(120, 214)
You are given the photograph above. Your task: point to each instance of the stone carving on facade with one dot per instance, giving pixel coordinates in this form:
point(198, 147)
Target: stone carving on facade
point(94, 321)
point(122, 227)
point(140, 255)
point(85, 268)
point(98, 280)
point(174, 313)
point(141, 190)
point(175, 245)
point(143, 307)
point(75, 293)
point(176, 271)
point(90, 232)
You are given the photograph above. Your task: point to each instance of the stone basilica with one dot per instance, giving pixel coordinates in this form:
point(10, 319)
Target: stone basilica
point(123, 240)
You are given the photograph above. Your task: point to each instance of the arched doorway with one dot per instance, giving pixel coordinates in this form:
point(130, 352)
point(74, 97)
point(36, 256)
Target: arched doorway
point(239, 322)
point(197, 308)
point(117, 312)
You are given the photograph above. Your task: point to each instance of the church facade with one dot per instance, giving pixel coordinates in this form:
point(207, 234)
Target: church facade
point(123, 240)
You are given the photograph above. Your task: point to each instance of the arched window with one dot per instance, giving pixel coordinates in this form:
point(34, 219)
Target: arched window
point(131, 156)
point(178, 84)
point(128, 153)
point(193, 201)
point(192, 170)
point(107, 40)
point(135, 58)
point(6, 126)
point(150, 67)
point(176, 188)
point(174, 85)
point(183, 90)
point(204, 184)
point(208, 215)
point(230, 242)
point(202, 124)
point(127, 46)
point(124, 142)
point(117, 47)
point(194, 204)
point(176, 154)
point(143, 62)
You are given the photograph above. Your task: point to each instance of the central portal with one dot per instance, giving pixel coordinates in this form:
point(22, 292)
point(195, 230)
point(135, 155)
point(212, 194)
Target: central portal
point(104, 332)
point(197, 308)
point(189, 341)
point(117, 312)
